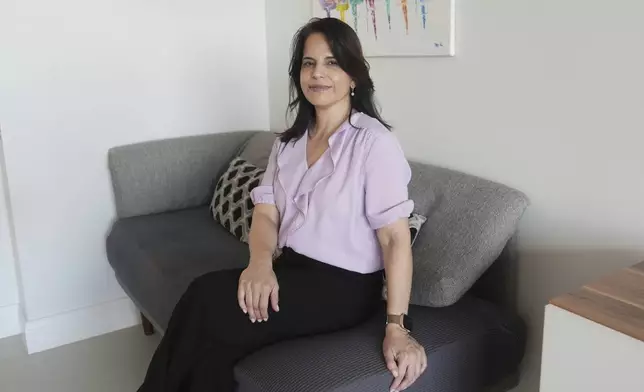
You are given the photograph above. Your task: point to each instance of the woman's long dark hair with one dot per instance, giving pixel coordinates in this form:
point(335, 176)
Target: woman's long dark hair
point(347, 50)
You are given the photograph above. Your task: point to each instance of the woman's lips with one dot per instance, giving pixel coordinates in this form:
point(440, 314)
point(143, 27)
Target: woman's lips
point(319, 89)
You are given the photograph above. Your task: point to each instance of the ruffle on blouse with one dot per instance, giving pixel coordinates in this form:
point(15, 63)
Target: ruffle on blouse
point(321, 170)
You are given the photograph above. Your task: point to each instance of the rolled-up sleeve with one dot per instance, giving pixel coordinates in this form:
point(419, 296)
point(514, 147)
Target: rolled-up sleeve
point(263, 193)
point(387, 175)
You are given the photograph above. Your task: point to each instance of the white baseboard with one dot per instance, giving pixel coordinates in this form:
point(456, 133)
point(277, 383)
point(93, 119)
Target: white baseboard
point(10, 321)
point(80, 324)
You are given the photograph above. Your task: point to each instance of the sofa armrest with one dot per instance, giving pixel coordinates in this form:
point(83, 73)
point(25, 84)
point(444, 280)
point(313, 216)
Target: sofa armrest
point(171, 174)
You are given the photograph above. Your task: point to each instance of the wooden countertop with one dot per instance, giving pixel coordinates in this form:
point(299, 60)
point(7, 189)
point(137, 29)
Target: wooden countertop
point(615, 301)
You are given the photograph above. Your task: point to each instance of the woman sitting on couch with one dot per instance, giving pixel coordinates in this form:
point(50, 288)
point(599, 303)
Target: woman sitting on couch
point(334, 200)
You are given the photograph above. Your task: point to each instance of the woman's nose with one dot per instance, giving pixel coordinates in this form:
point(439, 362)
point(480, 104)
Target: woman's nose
point(318, 72)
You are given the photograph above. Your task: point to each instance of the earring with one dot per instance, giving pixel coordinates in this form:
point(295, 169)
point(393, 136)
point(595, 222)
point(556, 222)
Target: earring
point(353, 94)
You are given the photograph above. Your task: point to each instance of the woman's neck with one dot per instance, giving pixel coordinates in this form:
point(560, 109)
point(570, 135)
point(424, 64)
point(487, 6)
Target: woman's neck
point(328, 120)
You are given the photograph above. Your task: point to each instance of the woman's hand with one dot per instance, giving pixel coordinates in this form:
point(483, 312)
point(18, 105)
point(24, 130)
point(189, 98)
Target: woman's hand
point(258, 285)
point(405, 357)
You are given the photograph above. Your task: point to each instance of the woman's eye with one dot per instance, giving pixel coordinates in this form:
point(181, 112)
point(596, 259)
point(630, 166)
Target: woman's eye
point(332, 62)
point(307, 64)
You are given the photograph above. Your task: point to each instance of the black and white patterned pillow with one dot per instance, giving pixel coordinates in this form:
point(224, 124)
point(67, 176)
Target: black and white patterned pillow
point(231, 204)
point(416, 221)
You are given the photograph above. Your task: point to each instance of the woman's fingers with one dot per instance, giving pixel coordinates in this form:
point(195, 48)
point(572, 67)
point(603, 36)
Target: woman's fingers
point(275, 298)
point(405, 359)
point(391, 362)
point(402, 372)
point(249, 302)
point(410, 373)
point(257, 294)
point(257, 287)
point(241, 296)
point(423, 362)
point(263, 303)
point(253, 300)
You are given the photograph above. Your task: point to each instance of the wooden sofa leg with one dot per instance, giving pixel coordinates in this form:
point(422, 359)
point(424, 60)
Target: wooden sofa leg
point(148, 328)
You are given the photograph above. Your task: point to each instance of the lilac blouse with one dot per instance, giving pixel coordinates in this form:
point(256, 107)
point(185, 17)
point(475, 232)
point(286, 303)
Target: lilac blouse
point(331, 211)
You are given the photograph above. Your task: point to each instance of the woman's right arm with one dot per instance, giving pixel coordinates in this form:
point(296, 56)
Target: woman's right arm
point(258, 283)
point(262, 238)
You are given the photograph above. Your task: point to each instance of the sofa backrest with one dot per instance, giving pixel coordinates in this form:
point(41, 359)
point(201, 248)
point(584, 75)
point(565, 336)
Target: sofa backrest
point(470, 220)
point(170, 174)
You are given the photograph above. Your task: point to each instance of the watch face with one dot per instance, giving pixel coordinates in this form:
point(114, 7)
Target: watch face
point(409, 324)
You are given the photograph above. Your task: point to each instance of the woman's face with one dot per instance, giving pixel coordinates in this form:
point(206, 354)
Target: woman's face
point(322, 80)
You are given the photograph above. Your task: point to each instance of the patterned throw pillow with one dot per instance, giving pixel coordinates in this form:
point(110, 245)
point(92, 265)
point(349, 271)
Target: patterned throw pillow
point(231, 204)
point(416, 221)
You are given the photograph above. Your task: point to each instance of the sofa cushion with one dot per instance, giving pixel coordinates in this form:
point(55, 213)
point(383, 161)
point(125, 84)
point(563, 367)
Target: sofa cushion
point(469, 222)
point(231, 205)
point(155, 257)
point(470, 345)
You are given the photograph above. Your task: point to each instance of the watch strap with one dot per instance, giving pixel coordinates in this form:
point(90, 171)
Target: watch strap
point(398, 319)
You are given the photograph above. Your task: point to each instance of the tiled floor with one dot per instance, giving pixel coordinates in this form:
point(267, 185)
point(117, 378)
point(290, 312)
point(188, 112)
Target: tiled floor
point(115, 362)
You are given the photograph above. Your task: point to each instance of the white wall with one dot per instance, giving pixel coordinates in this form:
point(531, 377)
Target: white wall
point(544, 96)
point(10, 312)
point(81, 76)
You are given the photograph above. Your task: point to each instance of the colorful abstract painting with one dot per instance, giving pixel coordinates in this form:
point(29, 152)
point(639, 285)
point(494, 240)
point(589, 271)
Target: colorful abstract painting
point(396, 27)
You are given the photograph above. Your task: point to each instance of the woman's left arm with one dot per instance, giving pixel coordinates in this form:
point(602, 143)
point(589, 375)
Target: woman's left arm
point(405, 358)
point(387, 207)
point(395, 242)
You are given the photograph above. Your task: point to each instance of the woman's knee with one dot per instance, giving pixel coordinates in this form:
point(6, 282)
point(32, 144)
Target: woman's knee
point(214, 285)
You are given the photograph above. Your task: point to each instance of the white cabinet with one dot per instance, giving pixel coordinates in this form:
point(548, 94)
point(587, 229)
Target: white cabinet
point(594, 338)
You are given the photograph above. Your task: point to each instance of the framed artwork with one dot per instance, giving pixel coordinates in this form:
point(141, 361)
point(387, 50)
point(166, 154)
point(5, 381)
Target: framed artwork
point(396, 27)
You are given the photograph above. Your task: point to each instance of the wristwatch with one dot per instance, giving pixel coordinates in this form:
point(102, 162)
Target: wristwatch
point(405, 322)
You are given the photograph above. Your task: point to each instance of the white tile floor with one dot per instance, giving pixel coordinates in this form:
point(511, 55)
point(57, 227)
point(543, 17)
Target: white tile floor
point(115, 362)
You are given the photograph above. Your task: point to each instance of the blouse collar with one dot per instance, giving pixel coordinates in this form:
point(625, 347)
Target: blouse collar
point(292, 158)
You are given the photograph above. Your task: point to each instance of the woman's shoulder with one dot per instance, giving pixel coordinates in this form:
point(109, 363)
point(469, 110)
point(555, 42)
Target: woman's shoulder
point(372, 131)
point(368, 124)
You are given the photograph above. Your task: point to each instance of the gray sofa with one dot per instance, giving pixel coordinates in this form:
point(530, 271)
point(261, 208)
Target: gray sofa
point(165, 236)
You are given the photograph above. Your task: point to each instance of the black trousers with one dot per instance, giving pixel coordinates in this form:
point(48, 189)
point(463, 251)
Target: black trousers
point(208, 333)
